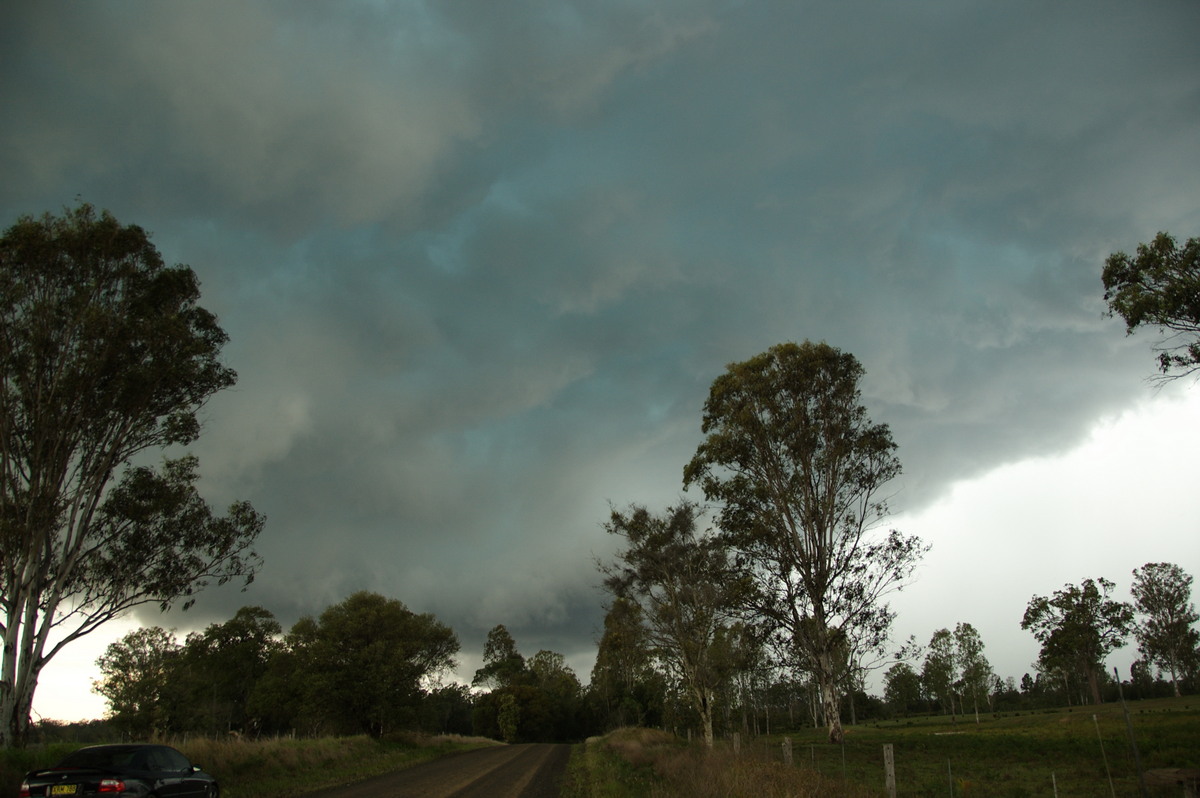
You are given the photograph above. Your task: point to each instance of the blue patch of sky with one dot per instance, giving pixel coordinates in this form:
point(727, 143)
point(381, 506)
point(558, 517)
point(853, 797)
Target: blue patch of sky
point(445, 248)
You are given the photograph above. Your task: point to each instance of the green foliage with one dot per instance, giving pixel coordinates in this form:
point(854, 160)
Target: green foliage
point(508, 717)
point(155, 685)
point(363, 662)
point(534, 700)
point(104, 354)
point(1162, 595)
point(135, 679)
point(902, 688)
point(1160, 287)
point(977, 676)
point(1078, 627)
point(365, 665)
point(503, 665)
point(797, 466)
point(626, 688)
point(940, 671)
point(686, 591)
point(215, 671)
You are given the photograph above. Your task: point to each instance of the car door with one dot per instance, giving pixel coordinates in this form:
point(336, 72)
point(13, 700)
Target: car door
point(168, 777)
point(187, 786)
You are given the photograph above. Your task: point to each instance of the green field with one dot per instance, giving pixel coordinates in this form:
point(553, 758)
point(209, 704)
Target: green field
point(1019, 755)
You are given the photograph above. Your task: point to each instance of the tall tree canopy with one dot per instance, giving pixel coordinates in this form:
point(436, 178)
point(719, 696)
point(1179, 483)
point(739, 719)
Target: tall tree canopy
point(1160, 287)
point(366, 660)
point(154, 685)
point(502, 662)
point(104, 355)
point(217, 669)
point(977, 676)
point(134, 677)
point(1167, 637)
point(1080, 625)
point(682, 581)
point(902, 687)
point(624, 682)
point(939, 672)
point(798, 468)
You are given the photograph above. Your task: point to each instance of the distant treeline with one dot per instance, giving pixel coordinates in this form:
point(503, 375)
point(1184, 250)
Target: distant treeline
point(370, 665)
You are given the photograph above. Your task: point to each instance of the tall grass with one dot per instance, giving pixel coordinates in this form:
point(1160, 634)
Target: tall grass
point(284, 767)
point(633, 763)
point(272, 768)
point(1018, 755)
point(1031, 754)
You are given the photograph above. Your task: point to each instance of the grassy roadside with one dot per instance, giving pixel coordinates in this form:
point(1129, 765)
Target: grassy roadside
point(1065, 752)
point(646, 763)
point(276, 768)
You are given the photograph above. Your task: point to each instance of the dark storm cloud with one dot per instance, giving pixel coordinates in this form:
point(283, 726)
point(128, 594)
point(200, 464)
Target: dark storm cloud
point(480, 261)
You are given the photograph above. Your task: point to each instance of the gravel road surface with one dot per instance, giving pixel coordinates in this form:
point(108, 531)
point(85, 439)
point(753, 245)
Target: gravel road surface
point(504, 771)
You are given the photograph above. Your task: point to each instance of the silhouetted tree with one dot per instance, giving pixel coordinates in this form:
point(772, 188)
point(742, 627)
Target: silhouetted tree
point(1078, 627)
point(104, 355)
point(1167, 637)
point(1160, 287)
point(683, 583)
point(797, 467)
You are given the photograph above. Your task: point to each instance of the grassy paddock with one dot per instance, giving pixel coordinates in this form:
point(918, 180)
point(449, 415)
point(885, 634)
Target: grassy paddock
point(633, 763)
point(1014, 755)
point(273, 768)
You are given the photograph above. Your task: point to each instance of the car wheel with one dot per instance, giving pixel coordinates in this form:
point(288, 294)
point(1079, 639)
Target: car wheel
point(212, 791)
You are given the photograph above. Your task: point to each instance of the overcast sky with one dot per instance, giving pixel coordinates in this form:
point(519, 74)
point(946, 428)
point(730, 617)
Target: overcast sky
point(480, 262)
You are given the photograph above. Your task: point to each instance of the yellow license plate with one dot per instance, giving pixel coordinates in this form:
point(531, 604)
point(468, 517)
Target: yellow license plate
point(64, 789)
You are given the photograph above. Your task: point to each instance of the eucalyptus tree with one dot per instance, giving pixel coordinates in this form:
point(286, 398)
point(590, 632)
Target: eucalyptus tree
point(135, 680)
point(105, 355)
point(798, 469)
point(683, 583)
point(361, 666)
point(940, 671)
point(902, 687)
point(624, 683)
point(503, 664)
point(1160, 287)
point(217, 670)
point(976, 671)
point(1080, 625)
point(1166, 635)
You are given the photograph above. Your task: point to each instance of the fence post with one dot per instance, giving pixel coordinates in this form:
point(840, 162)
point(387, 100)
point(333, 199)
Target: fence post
point(787, 750)
point(737, 743)
point(889, 770)
point(1111, 789)
point(1137, 757)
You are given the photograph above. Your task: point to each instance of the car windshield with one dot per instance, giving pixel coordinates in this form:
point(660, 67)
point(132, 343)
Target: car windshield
point(114, 757)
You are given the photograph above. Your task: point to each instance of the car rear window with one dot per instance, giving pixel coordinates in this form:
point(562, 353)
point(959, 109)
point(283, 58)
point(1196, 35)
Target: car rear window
point(99, 758)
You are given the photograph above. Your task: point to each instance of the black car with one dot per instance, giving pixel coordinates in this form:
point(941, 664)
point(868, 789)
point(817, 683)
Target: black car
point(122, 770)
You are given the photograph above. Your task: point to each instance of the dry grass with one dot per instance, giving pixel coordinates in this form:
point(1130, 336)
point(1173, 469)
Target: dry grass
point(273, 768)
point(663, 767)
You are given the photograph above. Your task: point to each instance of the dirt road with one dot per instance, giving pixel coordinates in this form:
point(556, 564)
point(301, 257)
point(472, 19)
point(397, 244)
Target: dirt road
point(507, 771)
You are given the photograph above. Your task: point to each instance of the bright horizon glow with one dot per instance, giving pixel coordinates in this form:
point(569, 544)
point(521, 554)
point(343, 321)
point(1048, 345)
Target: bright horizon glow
point(1011, 534)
